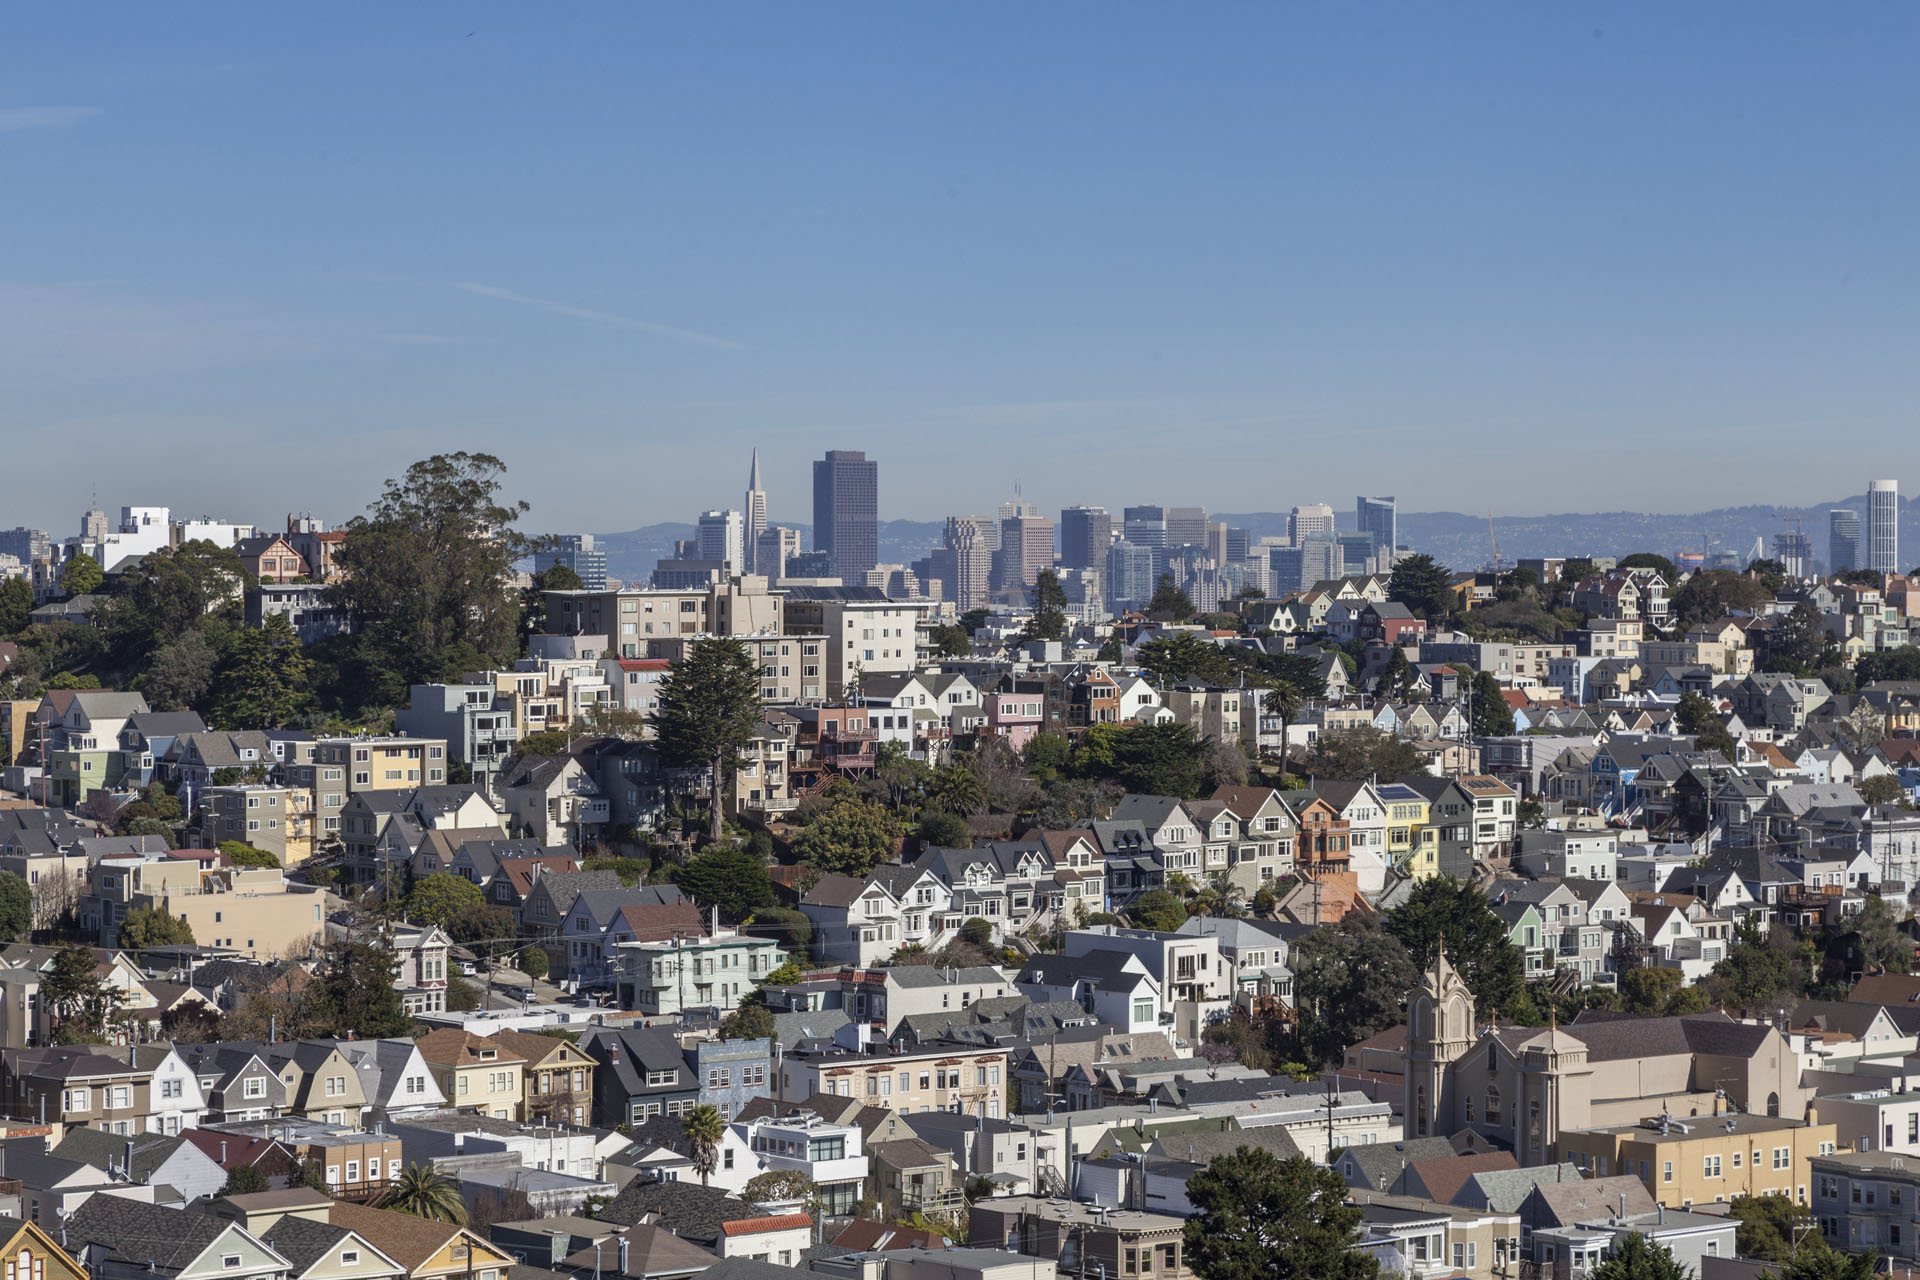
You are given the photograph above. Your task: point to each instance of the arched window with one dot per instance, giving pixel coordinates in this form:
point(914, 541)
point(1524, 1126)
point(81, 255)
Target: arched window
point(1420, 1109)
point(1493, 1104)
point(1773, 1104)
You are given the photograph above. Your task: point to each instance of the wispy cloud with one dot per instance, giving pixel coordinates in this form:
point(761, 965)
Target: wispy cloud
point(21, 119)
point(600, 317)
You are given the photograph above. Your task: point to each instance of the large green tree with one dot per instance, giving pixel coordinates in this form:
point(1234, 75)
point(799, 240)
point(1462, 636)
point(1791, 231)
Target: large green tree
point(1492, 717)
point(1049, 619)
point(1827, 1264)
point(1350, 982)
point(1695, 716)
point(1422, 584)
point(1258, 1217)
point(353, 992)
point(733, 880)
point(1152, 759)
point(427, 570)
point(1648, 560)
point(16, 905)
point(848, 835)
point(441, 898)
point(1352, 755)
point(708, 708)
point(1772, 1228)
point(1477, 940)
point(1634, 1257)
point(1159, 910)
point(264, 682)
point(181, 673)
point(146, 927)
point(1714, 593)
point(1169, 602)
point(1754, 974)
point(1185, 655)
point(1902, 663)
point(80, 1002)
point(16, 605)
point(81, 575)
point(170, 593)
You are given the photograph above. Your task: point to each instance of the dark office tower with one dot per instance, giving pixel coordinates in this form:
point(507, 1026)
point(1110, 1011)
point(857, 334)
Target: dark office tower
point(1145, 526)
point(1239, 544)
point(846, 511)
point(1085, 535)
point(1376, 516)
point(1843, 540)
point(1186, 526)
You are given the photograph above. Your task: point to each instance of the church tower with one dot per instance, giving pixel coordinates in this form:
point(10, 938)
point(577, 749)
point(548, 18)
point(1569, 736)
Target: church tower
point(1439, 1032)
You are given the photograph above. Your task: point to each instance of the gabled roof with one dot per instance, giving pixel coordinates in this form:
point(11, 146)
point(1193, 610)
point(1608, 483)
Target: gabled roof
point(695, 1212)
point(146, 1235)
point(408, 1240)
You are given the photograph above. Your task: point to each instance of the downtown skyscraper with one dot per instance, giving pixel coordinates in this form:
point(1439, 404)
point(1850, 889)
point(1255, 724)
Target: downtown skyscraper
point(1843, 540)
point(846, 511)
point(1883, 526)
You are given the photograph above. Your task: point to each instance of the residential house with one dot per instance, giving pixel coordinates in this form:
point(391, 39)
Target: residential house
point(476, 1071)
point(122, 1238)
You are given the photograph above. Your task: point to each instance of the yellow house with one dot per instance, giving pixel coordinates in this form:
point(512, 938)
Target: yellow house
point(428, 1250)
point(476, 1071)
point(558, 1077)
point(1412, 845)
point(31, 1254)
point(1704, 1159)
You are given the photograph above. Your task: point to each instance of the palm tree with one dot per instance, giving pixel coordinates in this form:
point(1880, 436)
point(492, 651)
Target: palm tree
point(958, 789)
point(1283, 699)
point(425, 1192)
point(704, 1128)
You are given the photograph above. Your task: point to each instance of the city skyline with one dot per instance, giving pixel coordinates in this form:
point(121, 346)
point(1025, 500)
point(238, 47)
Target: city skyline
point(664, 237)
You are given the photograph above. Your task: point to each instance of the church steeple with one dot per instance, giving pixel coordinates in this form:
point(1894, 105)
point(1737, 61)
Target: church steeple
point(1439, 1033)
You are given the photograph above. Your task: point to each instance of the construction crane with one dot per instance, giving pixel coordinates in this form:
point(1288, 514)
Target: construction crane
point(1495, 540)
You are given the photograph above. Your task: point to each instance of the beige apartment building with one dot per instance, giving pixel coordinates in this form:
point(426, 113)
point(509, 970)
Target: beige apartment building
point(631, 619)
point(251, 910)
point(973, 1082)
point(278, 820)
point(1704, 1159)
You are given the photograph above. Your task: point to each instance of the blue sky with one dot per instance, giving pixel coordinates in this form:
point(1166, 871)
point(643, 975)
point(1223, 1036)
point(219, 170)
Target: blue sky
point(255, 258)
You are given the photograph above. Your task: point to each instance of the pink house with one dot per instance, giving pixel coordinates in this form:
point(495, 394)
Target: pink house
point(1016, 710)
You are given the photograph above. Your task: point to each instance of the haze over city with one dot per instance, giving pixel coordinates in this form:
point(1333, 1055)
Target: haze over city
point(272, 255)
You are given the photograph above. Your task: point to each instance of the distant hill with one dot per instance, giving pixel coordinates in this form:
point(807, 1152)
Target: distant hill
point(1453, 538)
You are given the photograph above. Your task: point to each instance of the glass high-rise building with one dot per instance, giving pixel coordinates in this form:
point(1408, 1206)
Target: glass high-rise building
point(1026, 547)
point(846, 511)
point(1144, 526)
point(1186, 526)
point(1843, 540)
point(1129, 576)
point(723, 538)
point(1376, 516)
point(1085, 535)
point(1305, 521)
point(579, 553)
point(1883, 526)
